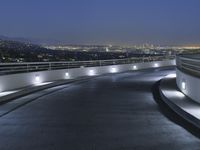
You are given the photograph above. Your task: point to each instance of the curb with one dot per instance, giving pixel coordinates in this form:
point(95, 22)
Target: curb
point(188, 118)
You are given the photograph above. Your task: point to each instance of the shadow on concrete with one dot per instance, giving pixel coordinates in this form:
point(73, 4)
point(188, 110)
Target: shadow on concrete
point(170, 114)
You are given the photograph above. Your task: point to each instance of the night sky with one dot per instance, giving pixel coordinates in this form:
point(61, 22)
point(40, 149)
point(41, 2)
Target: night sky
point(164, 22)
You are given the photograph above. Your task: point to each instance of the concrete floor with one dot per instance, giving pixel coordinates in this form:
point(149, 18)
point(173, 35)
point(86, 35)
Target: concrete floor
point(112, 112)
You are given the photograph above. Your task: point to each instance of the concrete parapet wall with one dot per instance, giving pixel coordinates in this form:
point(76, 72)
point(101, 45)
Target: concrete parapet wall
point(16, 81)
point(188, 84)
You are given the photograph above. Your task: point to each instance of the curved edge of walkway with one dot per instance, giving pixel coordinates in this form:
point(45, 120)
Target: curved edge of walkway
point(183, 109)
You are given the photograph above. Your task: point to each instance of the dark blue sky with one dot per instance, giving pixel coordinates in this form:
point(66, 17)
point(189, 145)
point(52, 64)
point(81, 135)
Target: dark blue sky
point(103, 21)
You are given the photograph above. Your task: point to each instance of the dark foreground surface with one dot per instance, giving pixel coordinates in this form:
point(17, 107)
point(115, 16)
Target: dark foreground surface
point(113, 112)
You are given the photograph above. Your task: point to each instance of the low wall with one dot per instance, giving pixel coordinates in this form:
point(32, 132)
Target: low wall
point(16, 81)
point(188, 84)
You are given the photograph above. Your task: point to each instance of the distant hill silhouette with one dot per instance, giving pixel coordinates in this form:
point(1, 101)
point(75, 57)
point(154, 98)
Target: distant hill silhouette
point(31, 40)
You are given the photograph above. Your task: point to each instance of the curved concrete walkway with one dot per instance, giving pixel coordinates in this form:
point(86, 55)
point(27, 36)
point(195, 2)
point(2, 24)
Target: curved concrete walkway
point(112, 112)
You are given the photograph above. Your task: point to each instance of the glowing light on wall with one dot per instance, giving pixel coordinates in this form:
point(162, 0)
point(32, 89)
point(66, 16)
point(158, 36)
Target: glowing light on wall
point(67, 75)
point(37, 79)
point(156, 65)
point(113, 70)
point(135, 67)
point(183, 85)
point(91, 73)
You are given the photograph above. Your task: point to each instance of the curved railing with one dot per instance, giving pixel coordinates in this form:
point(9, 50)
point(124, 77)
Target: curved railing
point(189, 64)
point(13, 68)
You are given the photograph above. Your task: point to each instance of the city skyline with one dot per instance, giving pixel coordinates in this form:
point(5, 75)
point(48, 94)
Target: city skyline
point(117, 22)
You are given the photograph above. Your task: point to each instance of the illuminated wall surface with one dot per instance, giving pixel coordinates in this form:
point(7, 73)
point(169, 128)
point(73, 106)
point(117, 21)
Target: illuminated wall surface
point(15, 81)
point(189, 85)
